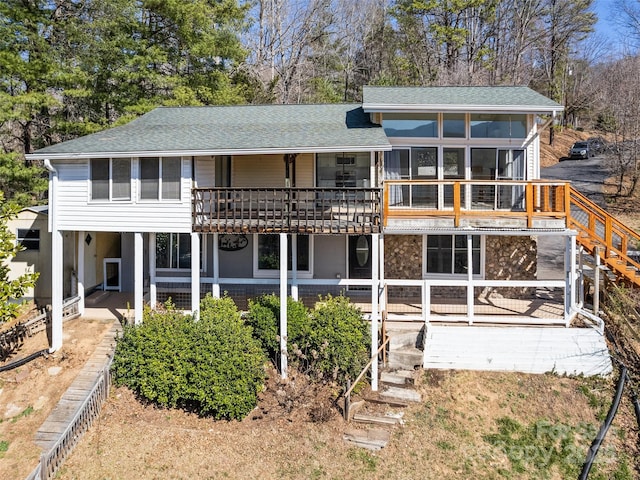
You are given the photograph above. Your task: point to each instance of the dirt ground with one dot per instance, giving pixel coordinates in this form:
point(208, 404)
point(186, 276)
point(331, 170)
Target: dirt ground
point(29, 393)
point(550, 154)
point(444, 437)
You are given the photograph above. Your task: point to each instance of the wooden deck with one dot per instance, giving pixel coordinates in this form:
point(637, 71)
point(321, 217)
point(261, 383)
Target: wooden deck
point(64, 412)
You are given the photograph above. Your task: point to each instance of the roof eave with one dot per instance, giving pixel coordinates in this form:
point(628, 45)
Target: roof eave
point(194, 153)
point(433, 108)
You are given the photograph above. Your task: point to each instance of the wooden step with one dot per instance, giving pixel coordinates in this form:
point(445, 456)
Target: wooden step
point(375, 419)
point(392, 402)
point(371, 439)
point(401, 394)
point(398, 377)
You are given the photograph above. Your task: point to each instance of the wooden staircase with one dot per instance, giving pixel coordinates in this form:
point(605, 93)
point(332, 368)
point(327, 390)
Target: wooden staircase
point(602, 235)
point(380, 412)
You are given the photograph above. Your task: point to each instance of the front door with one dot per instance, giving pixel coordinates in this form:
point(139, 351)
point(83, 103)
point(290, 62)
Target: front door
point(359, 256)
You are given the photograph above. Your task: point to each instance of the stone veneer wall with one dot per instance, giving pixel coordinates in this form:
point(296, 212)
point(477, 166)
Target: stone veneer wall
point(506, 258)
point(510, 258)
point(403, 259)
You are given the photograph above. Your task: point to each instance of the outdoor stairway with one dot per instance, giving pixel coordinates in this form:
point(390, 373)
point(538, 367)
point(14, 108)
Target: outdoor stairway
point(382, 411)
point(601, 234)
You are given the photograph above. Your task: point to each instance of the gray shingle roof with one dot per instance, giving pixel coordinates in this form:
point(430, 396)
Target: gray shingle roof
point(464, 99)
point(233, 129)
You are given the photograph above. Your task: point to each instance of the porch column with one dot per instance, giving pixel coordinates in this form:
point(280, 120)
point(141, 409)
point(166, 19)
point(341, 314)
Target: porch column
point(570, 268)
point(153, 293)
point(195, 273)
point(215, 288)
point(294, 266)
point(138, 280)
point(57, 282)
point(283, 305)
point(383, 291)
point(375, 284)
point(470, 293)
point(80, 272)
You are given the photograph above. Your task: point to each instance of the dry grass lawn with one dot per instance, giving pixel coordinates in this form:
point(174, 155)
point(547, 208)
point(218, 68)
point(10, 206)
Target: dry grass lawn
point(470, 425)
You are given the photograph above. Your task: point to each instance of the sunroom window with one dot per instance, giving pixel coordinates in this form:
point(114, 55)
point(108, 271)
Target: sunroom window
point(410, 124)
point(489, 125)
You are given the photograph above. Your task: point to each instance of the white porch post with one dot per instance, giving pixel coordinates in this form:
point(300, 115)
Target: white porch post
point(80, 272)
point(56, 290)
point(375, 266)
point(215, 288)
point(138, 280)
point(470, 293)
point(596, 282)
point(283, 305)
point(195, 273)
point(153, 293)
point(580, 276)
point(294, 266)
point(383, 290)
point(570, 267)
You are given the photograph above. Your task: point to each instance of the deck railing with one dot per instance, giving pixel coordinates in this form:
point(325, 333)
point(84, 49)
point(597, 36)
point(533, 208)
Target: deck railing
point(475, 198)
point(287, 210)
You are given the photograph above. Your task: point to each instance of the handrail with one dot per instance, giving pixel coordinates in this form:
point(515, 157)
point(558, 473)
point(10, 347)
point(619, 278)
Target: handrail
point(459, 198)
point(604, 230)
point(347, 394)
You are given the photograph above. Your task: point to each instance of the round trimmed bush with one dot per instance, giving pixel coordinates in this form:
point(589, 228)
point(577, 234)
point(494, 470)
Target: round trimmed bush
point(213, 365)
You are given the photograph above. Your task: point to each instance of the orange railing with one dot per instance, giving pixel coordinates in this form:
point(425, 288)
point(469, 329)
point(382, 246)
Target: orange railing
point(475, 198)
point(598, 229)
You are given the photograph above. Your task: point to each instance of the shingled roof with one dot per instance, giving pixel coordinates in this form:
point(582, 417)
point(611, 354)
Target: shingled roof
point(227, 130)
point(505, 99)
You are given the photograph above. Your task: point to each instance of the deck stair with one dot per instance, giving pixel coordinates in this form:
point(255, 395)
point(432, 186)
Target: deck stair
point(601, 234)
point(382, 411)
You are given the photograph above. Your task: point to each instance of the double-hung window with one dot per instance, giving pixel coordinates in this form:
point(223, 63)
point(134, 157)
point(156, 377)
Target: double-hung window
point(110, 179)
point(160, 178)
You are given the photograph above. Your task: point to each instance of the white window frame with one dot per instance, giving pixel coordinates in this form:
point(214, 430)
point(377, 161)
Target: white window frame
point(203, 254)
point(20, 239)
point(429, 275)
point(159, 197)
point(110, 194)
point(264, 273)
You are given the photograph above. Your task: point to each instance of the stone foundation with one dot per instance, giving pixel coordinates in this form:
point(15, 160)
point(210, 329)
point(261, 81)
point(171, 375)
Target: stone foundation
point(510, 258)
point(403, 259)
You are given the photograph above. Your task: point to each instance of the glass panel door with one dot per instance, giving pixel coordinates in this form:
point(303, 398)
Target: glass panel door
point(483, 167)
point(452, 169)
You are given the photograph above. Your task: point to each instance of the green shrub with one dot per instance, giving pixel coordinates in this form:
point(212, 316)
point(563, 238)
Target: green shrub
point(213, 365)
point(264, 318)
point(338, 344)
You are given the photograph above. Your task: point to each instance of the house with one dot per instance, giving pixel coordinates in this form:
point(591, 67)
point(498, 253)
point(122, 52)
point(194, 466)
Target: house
point(423, 203)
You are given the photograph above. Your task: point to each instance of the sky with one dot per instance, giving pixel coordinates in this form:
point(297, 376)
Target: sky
point(606, 27)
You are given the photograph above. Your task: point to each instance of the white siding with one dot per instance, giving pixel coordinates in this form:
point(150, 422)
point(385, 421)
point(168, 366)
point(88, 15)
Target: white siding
point(74, 211)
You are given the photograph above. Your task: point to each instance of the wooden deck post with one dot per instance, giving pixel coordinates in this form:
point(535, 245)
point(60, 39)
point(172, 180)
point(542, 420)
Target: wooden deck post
point(375, 264)
point(283, 305)
point(470, 292)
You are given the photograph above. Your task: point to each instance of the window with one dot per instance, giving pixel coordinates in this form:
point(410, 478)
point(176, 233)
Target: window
point(447, 255)
point(343, 170)
point(110, 178)
point(416, 163)
point(160, 178)
point(28, 238)
point(267, 255)
point(453, 125)
point(410, 124)
point(173, 251)
point(485, 125)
